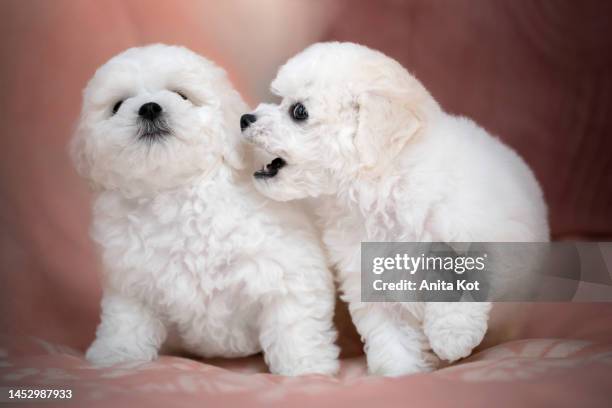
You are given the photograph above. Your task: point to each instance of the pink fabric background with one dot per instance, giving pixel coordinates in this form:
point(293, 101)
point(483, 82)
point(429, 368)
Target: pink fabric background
point(538, 75)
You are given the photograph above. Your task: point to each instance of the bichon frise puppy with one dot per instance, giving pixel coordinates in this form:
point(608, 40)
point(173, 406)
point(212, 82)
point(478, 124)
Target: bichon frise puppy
point(386, 163)
point(189, 248)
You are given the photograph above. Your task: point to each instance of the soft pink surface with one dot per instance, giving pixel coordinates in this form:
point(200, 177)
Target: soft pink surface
point(533, 355)
point(536, 372)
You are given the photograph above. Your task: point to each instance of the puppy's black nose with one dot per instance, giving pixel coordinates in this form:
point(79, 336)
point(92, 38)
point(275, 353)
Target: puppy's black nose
point(246, 120)
point(150, 110)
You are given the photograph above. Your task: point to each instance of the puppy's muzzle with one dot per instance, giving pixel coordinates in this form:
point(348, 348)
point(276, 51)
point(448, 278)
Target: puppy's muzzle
point(152, 125)
point(271, 169)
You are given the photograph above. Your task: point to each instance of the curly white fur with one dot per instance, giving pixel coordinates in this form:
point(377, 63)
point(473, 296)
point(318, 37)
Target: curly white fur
point(385, 163)
point(191, 251)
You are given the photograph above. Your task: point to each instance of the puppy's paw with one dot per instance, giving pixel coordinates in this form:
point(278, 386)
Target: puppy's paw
point(105, 354)
point(321, 366)
point(328, 367)
point(401, 364)
point(454, 343)
point(324, 362)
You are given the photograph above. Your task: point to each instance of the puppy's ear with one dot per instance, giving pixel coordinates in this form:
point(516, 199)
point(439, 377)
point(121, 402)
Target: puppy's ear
point(82, 161)
point(76, 149)
point(233, 151)
point(386, 121)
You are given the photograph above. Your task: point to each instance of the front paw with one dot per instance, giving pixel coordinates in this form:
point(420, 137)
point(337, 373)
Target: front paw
point(452, 343)
point(105, 353)
point(401, 362)
point(325, 362)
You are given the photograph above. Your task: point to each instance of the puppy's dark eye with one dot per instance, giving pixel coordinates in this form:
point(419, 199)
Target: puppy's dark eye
point(182, 95)
point(117, 106)
point(298, 112)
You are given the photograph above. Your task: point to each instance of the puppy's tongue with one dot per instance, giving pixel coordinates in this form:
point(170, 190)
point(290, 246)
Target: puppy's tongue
point(270, 169)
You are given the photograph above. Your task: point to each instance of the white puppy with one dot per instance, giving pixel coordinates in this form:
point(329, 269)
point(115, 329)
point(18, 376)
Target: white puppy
point(189, 247)
point(356, 130)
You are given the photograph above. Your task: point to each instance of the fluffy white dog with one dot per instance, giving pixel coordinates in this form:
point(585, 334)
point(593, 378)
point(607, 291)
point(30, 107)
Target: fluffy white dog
point(386, 163)
point(189, 247)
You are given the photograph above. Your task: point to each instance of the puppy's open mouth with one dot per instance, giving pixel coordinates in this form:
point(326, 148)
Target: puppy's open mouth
point(271, 169)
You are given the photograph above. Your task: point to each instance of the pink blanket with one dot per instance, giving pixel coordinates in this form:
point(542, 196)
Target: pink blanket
point(573, 369)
